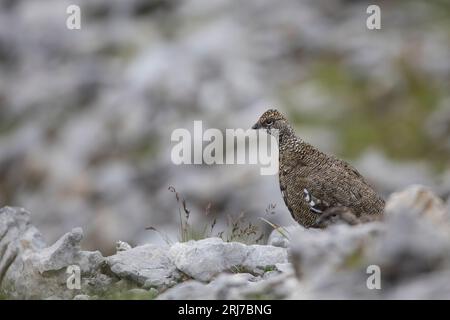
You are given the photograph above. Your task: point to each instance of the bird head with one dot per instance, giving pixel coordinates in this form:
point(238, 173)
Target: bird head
point(272, 119)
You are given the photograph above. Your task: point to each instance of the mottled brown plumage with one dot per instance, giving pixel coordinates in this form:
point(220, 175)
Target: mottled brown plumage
point(315, 185)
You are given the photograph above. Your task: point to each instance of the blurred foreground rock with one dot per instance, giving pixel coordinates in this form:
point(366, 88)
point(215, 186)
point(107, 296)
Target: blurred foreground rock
point(410, 249)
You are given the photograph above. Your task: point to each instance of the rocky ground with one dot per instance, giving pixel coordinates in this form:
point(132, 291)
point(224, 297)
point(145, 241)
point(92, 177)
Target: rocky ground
point(411, 248)
point(86, 116)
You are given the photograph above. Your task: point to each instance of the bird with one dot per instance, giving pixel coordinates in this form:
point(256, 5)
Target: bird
point(318, 189)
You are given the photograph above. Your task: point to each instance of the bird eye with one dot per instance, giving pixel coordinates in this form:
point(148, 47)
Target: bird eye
point(269, 122)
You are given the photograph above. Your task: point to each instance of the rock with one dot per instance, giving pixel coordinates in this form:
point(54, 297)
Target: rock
point(188, 290)
point(410, 247)
point(280, 238)
point(417, 238)
point(217, 289)
point(148, 266)
point(284, 267)
point(62, 251)
point(316, 253)
point(418, 200)
point(204, 259)
point(141, 294)
point(122, 246)
point(17, 236)
point(69, 146)
point(433, 286)
point(30, 270)
point(66, 251)
point(233, 286)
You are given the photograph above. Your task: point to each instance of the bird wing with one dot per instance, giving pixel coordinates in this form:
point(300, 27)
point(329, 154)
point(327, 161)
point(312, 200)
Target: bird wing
point(315, 204)
point(333, 187)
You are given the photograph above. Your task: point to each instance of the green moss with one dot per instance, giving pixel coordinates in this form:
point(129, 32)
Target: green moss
point(127, 295)
point(262, 296)
point(239, 269)
point(269, 268)
point(354, 260)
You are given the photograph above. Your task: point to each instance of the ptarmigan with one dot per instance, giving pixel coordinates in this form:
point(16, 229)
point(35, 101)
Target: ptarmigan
point(318, 189)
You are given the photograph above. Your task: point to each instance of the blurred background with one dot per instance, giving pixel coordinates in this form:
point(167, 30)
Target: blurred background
point(86, 115)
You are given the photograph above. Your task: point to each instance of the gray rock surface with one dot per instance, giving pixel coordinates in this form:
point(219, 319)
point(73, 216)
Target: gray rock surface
point(234, 286)
point(316, 253)
point(122, 246)
point(202, 260)
point(418, 200)
point(281, 238)
point(148, 266)
point(410, 248)
point(30, 270)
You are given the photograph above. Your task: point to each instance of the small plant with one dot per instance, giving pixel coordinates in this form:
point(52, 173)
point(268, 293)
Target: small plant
point(241, 231)
point(239, 269)
point(270, 269)
point(186, 231)
point(162, 235)
point(237, 229)
point(270, 210)
point(281, 230)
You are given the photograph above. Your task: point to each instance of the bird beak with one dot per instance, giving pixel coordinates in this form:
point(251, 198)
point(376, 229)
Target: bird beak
point(256, 126)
